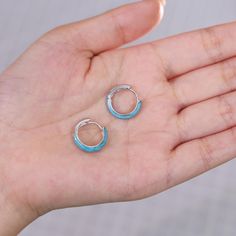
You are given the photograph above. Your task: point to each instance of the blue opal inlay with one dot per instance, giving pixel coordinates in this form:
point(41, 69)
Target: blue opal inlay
point(124, 116)
point(87, 148)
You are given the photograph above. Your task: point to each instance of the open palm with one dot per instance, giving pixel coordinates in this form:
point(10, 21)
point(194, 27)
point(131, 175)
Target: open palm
point(186, 125)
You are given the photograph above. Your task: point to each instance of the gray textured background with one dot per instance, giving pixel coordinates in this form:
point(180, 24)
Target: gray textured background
point(205, 206)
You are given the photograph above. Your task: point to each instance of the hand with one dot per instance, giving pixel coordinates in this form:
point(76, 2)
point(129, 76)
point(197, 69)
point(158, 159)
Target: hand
point(186, 125)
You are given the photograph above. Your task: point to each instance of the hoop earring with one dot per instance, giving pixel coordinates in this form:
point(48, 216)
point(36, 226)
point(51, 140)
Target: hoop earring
point(116, 114)
point(87, 148)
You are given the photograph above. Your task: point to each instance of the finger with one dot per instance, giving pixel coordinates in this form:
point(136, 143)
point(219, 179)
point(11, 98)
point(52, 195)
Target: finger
point(189, 51)
point(112, 29)
point(198, 156)
point(205, 83)
point(208, 117)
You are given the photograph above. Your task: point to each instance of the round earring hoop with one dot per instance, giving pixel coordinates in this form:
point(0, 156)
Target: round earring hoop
point(87, 148)
point(120, 115)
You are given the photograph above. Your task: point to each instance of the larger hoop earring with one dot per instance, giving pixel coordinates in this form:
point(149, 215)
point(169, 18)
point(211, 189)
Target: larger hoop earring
point(120, 115)
point(87, 148)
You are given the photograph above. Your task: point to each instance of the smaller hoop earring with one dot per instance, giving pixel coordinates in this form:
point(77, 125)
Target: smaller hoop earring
point(87, 148)
point(116, 114)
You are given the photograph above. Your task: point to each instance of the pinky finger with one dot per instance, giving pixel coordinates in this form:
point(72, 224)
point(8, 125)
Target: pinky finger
point(198, 156)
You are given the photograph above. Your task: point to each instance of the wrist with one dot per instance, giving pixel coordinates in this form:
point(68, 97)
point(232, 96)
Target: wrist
point(13, 217)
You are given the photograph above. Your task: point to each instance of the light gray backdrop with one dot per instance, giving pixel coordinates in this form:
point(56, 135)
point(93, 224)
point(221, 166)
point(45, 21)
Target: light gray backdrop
point(205, 206)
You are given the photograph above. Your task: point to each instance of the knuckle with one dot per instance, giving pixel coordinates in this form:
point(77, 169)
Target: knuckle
point(182, 124)
point(228, 73)
point(212, 43)
point(226, 110)
point(118, 28)
point(206, 153)
point(179, 94)
point(233, 134)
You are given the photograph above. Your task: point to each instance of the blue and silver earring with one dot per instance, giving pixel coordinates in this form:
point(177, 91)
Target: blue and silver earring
point(85, 147)
point(120, 115)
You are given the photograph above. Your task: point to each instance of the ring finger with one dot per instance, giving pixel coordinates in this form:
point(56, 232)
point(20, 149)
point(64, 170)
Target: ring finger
point(207, 117)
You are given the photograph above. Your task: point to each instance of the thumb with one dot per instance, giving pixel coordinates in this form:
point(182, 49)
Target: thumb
point(112, 29)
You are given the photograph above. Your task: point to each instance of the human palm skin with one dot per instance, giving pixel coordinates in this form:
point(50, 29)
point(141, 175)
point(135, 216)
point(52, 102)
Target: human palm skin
point(186, 125)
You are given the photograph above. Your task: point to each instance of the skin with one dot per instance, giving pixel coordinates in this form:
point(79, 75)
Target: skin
point(186, 126)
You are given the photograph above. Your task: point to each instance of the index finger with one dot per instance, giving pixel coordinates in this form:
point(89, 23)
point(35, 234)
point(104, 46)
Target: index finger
point(189, 51)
